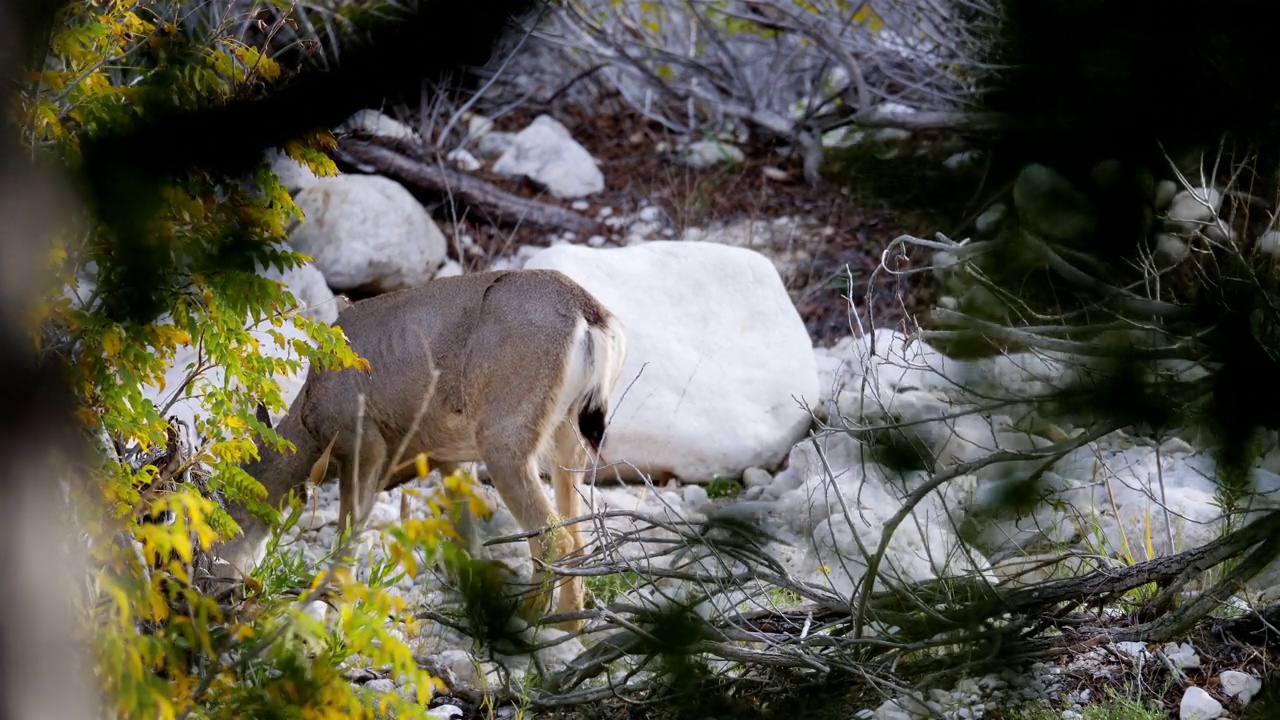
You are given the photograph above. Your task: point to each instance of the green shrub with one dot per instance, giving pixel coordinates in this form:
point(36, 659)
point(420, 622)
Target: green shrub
point(162, 647)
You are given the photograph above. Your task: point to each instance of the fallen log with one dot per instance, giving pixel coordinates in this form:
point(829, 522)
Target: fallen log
point(497, 204)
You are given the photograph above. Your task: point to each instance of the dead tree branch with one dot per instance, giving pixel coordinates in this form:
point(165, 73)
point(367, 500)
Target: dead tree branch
point(501, 206)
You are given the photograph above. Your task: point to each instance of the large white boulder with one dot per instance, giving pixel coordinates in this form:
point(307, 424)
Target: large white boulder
point(547, 154)
point(367, 232)
point(718, 359)
point(292, 174)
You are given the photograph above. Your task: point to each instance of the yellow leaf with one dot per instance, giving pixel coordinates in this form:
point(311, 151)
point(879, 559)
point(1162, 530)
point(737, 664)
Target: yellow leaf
point(182, 545)
point(173, 335)
point(868, 17)
point(1151, 551)
point(421, 462)
point(112, 342)
point(159, 608)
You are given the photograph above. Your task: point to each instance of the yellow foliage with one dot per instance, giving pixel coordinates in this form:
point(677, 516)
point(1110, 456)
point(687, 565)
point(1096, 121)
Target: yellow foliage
point(161, 647)
point(112, 342)
point(869, 19)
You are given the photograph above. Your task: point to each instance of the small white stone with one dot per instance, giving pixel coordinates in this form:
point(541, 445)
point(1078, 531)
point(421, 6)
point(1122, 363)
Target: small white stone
point(316, 518)
point(463, 160)
point(546, 153)
point(775, 174)
point(580, 205)
point(596, 241)
point(450, 268)
point(990, 219)
point(1241, 686)
point(319, 610)
point(708, 153)
point(478, 125)
point(1198, 705)
point(1192, 210)
point(890, 710)
point(382, 515)
point(462, 664)
point(1170, 250)
point(961, 159)
point(1133, 649)
point(695, 496)
point(1165, 190)
point(754, 476)
point(382, 685)
point(446, 712)
point(1182, 656)
point(1269, 243)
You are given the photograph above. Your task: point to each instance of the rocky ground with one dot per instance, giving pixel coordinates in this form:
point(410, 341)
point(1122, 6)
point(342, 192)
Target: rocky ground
point(725, 343)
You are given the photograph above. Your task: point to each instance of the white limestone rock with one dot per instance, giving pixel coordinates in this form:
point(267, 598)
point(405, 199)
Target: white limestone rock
point(546, 153)
point(718, 358)
point(367, 232)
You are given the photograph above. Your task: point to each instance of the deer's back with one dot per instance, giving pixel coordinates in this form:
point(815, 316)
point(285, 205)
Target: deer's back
point(485, 333)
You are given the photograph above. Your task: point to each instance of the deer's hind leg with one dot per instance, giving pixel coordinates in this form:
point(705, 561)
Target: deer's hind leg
point(570, 459)
point(513, 434)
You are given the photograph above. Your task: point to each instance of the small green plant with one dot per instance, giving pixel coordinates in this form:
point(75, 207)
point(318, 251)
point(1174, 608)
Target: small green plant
point(721, 486)
point(783, 598)
point(607, 588)
point(1118, 707)
point(1113, 707)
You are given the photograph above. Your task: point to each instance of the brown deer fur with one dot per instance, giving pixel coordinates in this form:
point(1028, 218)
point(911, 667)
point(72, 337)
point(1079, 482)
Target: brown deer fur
point(526, 362)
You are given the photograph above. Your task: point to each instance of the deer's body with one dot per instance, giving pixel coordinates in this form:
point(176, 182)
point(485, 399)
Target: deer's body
point(525, 363)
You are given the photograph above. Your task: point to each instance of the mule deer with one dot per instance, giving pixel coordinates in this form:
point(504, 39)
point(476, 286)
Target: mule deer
point(523, 363)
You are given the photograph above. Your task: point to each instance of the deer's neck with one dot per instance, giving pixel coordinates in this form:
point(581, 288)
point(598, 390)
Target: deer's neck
point(279, 471)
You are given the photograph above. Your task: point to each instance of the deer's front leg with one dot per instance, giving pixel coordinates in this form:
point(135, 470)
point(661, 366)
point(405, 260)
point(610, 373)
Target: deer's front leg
point(360, 482)
point(467, 524)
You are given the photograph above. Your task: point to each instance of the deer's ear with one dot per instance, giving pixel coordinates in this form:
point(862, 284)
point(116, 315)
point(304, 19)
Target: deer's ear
point(263, 416)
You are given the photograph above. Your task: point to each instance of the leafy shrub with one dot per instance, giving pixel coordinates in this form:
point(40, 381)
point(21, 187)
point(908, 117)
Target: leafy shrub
point(164, 644)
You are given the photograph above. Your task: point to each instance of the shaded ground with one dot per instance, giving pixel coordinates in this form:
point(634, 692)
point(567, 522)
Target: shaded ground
point(1101, 671)
point(844, 227)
